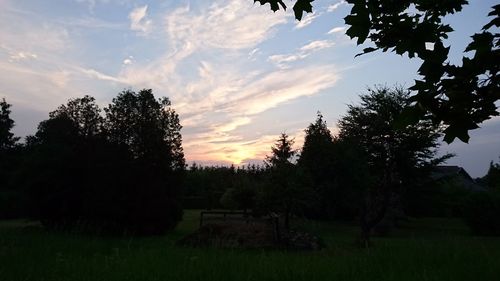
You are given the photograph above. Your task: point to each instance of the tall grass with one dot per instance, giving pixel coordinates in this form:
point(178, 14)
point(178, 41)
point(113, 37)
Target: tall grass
point(432, 249)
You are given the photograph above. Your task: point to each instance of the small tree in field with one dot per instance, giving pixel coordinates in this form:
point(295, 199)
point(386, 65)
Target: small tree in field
point(285, 193)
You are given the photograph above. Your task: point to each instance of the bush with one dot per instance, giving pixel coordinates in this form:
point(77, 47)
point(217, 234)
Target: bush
point(482, 213)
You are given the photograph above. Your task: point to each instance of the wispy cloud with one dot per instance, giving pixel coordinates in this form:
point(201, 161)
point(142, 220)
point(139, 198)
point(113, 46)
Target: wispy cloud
point(231, 24)
point(317, 45)
point(307, 20)
point(23, 56)
point(283, 60)
point(338, 29)
point(213, 66)
point(335, 6)
point(139, 20)
point(254, 97)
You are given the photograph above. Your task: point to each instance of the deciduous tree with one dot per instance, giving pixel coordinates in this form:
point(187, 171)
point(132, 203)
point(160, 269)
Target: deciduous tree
point(393, 154)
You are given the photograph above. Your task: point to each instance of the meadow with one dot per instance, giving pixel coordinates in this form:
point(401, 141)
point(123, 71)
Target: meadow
point(423, 249)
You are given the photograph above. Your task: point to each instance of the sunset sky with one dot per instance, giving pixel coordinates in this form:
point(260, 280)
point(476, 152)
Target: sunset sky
point(237, 73)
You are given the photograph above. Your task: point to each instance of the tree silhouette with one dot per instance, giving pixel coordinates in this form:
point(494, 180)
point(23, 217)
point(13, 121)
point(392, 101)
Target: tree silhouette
point(85, 113)
point(493, 176)
point(7, 139)
point(393, 154)
point(459, 96)
point(285, 194)
point(119, 174)
point(10, 151)
point(150, 128)
point(317, 162)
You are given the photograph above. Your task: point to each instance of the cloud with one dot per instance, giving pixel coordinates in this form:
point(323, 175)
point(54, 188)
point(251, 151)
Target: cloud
point(338, 29)
point(335, 6)
point(139, 21)
point(211, 66)
point(282, 61)
point(129, 60)
point(92, 73)
point(91, 4)
point(233, 124)
point(282, 86)
point(22, 56)
point(230, 24)
point(222, 140)
point(252, 55)
point(317, 45)
point(306, 20)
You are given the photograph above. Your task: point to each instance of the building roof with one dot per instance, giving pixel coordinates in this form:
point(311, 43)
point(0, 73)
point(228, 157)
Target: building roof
point(456, 173)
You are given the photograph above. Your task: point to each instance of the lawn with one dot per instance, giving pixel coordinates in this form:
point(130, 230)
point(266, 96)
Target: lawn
point(424, 249)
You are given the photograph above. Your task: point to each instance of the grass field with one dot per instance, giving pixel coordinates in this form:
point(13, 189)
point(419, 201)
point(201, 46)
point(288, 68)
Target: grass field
point(425, 249)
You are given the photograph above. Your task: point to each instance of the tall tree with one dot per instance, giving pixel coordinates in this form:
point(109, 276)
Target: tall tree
point(9, 162)
point(285, 193)
point(150, 130)
point(459, 96)
point(317, 162)
point(7, 139)
point(393, 154)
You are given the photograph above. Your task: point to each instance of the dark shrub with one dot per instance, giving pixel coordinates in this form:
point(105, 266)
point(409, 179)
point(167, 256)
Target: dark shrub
point(482, 213)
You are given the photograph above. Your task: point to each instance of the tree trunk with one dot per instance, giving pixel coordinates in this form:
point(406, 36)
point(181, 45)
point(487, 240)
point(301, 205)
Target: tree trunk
point(287, 219)
point(372, 212)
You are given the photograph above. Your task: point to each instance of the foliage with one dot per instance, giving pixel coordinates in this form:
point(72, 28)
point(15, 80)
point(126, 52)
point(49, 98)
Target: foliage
point(459, 96)
point(393, 155)
point(84, 113)
point(286, 193)
point(317, 161)
point(205, 186)
point(113, 174)
point(373, 126)
point(493, 176)
point(482, 213)
point(315, 155)
point(149, 128)
point(430, 198)
point(11, 199)
point(7, 139)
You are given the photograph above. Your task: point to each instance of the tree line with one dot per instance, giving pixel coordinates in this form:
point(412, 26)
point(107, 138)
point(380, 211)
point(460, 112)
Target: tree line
point(114, 170)
point(122, 170)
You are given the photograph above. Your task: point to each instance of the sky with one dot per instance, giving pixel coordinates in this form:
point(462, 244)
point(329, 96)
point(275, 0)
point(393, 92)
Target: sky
point(237, 73)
